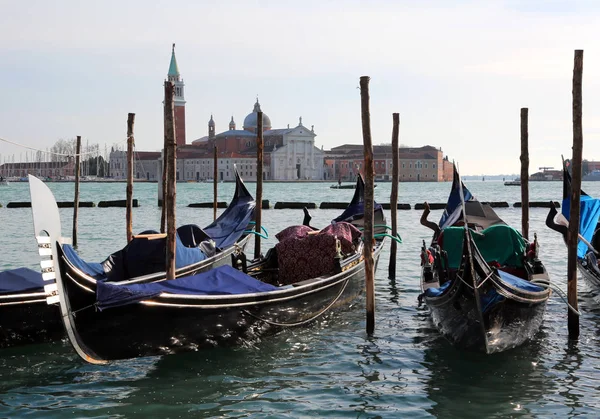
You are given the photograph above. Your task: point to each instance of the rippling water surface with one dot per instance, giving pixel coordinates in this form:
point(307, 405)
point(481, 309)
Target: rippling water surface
point(330, 369)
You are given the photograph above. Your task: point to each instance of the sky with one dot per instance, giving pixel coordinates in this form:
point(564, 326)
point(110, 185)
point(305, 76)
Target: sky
point(457, 72)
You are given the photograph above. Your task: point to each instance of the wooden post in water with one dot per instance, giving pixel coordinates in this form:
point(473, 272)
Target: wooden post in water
point(394, 195)
point(215, 172)
point(76, 200)
point(525, 172)
point(130, 142)
point(165, 169)
point(369, 203)
point(576, 165)
point(259, 183)
point(171, 178)
point(159, 177)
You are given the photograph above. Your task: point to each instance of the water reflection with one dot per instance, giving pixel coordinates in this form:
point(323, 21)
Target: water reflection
point(393, 291)
point(45, 380)
point(501, 384)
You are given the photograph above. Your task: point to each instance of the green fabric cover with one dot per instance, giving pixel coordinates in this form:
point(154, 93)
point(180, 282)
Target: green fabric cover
point(500, 243)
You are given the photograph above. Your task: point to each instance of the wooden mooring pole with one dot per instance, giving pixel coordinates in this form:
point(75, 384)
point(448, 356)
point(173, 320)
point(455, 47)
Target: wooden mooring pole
point(369, 203)
point(130, 142)
point(215, 182)
point(171, 158)
point(394, 194)
point(259, 183)
point(159, 177)
point(165, 162)
point(576, 165)
point(76, 200)
point(525, 172)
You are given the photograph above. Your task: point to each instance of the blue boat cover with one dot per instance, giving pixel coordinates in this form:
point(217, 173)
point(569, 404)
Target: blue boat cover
point(223, 280)
point(229, 227)
point(437, 291)
point(95, 270)
point(142, 256)
point(489, 299)
point(520, 283)
point(19, 280)
point(589, 213)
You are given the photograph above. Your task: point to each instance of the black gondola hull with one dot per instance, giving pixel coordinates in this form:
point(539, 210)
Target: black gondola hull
point(506, 325)
point(166, 325)
point(28, 319)
point(590, 276)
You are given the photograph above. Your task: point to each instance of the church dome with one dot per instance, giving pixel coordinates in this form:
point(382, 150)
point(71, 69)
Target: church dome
point(251, 121)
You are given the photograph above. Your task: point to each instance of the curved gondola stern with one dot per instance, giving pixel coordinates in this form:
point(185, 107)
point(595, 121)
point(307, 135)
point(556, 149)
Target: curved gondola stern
point(46, 221)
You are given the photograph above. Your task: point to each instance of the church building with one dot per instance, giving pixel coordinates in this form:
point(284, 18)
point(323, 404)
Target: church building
point(289, 153)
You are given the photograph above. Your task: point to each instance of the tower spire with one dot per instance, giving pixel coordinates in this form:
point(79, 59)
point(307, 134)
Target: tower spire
point(175, 77)
point(173, 68)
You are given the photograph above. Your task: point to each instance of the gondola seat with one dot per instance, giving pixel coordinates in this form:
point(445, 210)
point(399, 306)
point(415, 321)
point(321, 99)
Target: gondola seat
point(303, 254)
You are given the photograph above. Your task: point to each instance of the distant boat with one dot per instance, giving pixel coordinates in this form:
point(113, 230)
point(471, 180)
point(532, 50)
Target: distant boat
point(594, 175)
point(353, 186)
point(516, 182)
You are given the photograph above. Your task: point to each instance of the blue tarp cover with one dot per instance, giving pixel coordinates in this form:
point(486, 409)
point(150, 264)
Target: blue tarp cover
point(142, 256)
point(19, 280)
point(520, 283)
point(229, 227)
point(492, 297)
point(588, 219)
point(219, 281)
point(95, 270)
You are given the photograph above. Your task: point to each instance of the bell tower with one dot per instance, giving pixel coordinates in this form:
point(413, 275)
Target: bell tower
point(179, 100)
point(211, 128)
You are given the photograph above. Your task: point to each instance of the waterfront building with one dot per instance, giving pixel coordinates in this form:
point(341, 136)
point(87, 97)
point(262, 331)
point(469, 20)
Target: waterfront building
point(289, 153)
point(44, 169)
point(417, 164)
point(145, 165)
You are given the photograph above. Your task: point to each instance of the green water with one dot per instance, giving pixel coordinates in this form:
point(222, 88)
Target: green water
point(330, 369)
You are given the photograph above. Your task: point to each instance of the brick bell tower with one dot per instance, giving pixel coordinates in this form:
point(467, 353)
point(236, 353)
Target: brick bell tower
point(179, 100)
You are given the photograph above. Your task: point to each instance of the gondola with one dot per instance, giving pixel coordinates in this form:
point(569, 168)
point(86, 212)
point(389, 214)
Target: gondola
point(588, 244)
point(483, 282)
point(352, 186)
point(308, 273)
point(25, 316)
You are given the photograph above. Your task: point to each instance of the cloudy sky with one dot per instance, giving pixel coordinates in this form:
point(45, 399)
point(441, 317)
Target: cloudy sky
point(458, 72)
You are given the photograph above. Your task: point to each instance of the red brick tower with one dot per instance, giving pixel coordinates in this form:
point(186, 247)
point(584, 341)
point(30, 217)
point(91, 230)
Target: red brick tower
point(175, 77)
